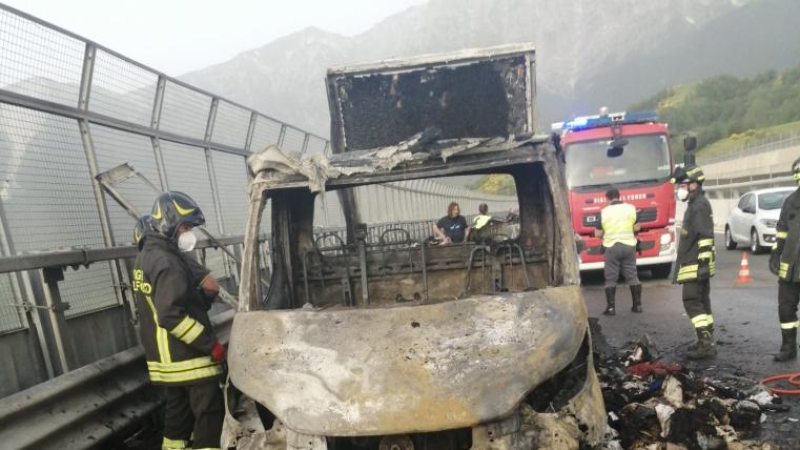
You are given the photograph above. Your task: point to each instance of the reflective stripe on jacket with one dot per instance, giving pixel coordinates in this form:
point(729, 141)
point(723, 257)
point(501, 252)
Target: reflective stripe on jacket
point(481, 221)
point(617, 221)
point(174, 326)
point(787, 244)
point(696, 255)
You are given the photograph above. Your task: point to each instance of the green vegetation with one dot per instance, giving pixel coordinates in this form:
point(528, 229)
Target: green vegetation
point(499, 184)
point(725, 112)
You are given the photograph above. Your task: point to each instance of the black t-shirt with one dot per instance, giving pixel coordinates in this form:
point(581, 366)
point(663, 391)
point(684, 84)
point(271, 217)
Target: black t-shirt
point(454, 228)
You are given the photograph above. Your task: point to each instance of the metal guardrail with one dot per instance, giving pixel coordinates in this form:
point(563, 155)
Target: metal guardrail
point(90, 405)
point(776, 142)
point(732, 188)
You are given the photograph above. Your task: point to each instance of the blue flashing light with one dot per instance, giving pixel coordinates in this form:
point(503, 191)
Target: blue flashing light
point(621, 118)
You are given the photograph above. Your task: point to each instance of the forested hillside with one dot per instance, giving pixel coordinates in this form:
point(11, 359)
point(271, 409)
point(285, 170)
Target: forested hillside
point(726, 107)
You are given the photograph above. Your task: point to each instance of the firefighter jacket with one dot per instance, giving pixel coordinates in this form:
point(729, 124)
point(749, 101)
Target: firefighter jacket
point(617, 221)
point(174, 326)
point(695, 259)
point(787, 245)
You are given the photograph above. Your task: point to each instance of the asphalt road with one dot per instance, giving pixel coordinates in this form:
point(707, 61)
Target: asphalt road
point(745, 315)
point(745, 319)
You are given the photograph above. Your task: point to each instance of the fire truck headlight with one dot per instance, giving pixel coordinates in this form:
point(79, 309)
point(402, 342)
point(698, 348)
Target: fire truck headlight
point(666, 239)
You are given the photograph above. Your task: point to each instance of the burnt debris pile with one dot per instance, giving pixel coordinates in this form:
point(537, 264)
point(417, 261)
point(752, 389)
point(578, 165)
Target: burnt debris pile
point(653, 404)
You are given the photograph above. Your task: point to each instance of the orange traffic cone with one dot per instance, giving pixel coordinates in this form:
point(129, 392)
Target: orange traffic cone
point(744, 271)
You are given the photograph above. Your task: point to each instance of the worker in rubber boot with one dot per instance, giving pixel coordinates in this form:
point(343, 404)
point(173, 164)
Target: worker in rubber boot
point(785, 263)
point(618, 227)
point(202, 278)
point(181, 350)
point(695, 261)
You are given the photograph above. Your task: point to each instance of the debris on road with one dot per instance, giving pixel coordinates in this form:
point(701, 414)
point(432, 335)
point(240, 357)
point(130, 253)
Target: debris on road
point(653, 404)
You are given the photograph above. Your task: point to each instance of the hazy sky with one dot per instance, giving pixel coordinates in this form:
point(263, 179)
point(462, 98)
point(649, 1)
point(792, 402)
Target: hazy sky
point(177, 36)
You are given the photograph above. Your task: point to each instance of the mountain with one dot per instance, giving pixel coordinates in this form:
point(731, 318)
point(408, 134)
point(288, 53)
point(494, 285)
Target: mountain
point(746, 41)
point(589, 53)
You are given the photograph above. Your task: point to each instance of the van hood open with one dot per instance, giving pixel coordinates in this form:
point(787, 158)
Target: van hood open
point(405, 369)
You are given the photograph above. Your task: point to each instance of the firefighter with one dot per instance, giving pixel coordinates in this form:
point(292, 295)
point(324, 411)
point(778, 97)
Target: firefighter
point(618, 227)
point(695, 261)
point(182, 352)
point(785, 263)
point(206, 283)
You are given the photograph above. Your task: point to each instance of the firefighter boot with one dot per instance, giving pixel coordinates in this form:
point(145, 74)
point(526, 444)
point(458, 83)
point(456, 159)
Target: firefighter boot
point(788, 346)
point(636, 295)
point(611, 293)
point(693, 345)
point(705, 345)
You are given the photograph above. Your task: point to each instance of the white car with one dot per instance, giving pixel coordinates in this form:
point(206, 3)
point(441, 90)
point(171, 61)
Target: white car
point(752, 222)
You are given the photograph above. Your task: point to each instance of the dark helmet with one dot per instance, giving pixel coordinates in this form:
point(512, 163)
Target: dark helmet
point(142, 227)
point(796, 169)
point(172, 209)
point(688, 175)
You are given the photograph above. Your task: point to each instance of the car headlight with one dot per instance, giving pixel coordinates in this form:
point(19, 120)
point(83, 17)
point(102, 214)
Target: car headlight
point(769, 223)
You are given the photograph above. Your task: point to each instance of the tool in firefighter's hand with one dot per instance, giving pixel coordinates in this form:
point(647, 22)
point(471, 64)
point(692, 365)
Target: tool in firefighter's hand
point(110, 179)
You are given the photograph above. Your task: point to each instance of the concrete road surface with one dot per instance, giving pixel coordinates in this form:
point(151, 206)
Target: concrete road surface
point(745, 317)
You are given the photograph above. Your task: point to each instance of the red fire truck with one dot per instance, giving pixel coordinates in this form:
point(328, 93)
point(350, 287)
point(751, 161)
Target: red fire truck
point(629, 151)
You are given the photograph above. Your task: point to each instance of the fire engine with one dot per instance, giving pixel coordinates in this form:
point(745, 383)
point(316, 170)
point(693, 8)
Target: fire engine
point(630, 151)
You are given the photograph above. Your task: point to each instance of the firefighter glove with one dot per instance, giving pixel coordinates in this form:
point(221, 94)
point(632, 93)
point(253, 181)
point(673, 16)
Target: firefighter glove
point(218, 352)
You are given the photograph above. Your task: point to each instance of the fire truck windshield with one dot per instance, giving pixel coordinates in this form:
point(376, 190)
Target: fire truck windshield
point(590, 164)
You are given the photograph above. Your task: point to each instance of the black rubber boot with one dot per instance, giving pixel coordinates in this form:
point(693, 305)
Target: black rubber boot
point(611, 293)
point(788, 350)
point(636, 295)
point(705, 345)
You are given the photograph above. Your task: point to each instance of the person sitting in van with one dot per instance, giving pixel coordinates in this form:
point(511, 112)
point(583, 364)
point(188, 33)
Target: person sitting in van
point(482, 220)
point(452, 228)
point(481, 223)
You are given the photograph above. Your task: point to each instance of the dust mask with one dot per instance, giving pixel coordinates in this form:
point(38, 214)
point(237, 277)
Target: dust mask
point(683, 194)
point(187, 241)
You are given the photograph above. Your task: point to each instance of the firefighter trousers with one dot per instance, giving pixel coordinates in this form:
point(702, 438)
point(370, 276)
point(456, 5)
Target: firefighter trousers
point(697, 302)
point(788, 298)
point(194, 413)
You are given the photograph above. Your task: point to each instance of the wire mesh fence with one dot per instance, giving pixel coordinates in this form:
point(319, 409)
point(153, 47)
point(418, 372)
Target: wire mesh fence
point(48, 149)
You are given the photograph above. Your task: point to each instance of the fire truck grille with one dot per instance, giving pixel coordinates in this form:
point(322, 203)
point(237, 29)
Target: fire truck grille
point(647, 215)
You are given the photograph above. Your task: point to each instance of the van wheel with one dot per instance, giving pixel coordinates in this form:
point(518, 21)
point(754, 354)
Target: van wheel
point(755, 246)
point(661, 271)
point(730, 244)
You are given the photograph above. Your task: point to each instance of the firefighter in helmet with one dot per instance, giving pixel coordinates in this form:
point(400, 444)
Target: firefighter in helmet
point(206, 283)
point(182, 352)
point(785, 263)
point(695, 261)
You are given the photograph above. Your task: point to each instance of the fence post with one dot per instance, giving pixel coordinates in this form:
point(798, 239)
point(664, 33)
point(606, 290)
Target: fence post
point(91, 161)
point(212, 179)
point(49, 278)
point(251, 129)
point(305, 144)
point(282, 136)
point(155, 124)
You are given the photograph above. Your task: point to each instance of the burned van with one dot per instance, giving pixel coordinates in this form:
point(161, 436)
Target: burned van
point(390, 340)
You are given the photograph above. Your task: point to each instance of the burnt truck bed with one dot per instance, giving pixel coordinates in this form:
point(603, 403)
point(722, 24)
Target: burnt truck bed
point(406, 344)
point(471, 94)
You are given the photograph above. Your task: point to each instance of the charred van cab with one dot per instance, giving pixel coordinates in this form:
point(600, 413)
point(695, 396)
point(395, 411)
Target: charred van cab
point(395, 343)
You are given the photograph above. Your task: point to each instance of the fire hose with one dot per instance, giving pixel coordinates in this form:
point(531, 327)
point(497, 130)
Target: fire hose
point(791, 378)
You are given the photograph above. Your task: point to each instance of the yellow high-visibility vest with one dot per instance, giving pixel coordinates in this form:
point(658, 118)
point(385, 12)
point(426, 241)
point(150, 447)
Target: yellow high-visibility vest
point(481, 221)
point(618, 220)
